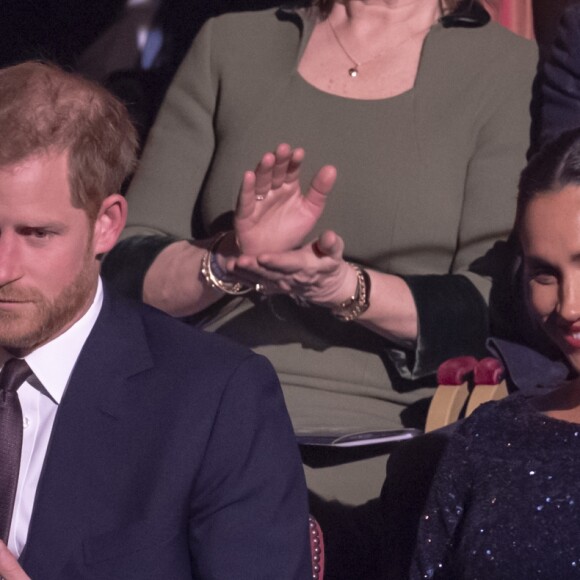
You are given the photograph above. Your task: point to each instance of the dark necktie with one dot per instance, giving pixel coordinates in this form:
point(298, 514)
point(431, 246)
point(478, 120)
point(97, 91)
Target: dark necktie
point(13, 374)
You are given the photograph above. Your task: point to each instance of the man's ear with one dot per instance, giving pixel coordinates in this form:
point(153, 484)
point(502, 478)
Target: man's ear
point(109, 223)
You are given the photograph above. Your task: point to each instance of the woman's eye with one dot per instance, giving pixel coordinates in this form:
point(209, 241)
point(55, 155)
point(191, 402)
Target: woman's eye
point(543, 278)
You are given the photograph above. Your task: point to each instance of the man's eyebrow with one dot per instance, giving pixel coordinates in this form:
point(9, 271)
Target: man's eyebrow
point(42, 225)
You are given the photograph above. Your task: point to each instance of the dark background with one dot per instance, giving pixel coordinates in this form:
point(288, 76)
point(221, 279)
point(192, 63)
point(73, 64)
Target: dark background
point(61, 30)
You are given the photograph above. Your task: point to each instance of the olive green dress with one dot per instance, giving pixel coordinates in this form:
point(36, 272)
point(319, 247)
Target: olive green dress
point(426, 186)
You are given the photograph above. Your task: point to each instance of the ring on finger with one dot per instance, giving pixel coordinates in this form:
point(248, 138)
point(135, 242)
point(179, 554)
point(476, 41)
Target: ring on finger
point(259, 288)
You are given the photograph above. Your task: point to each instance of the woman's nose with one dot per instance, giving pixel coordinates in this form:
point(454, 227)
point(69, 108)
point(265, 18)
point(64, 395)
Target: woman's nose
point(569, 307)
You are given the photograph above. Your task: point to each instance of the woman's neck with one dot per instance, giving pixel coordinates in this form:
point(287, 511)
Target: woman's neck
point(365, 16)
point(368, 49)
point(392, 11)
point(562, 403)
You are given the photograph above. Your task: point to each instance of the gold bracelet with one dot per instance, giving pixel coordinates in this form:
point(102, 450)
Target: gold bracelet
point(232, 288)
point(359, 302)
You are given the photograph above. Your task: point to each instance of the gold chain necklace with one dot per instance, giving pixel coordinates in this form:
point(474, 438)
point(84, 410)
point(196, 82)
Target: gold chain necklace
point(354, 69)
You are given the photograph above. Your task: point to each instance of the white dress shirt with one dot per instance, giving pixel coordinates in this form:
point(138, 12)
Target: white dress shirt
point(52, 365)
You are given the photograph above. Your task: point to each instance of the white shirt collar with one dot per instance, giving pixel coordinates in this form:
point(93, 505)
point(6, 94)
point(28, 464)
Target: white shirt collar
point(53, 362)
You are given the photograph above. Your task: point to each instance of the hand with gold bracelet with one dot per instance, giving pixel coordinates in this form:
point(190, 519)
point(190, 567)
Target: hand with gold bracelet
point(314, 273)
point(317, 274)
point(272, 215)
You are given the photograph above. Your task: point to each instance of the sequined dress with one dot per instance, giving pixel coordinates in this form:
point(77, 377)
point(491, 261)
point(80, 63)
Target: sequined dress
point(505, 502)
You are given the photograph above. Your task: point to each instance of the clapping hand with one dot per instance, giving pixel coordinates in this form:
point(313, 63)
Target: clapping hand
point(272, 214)
point(315, 272)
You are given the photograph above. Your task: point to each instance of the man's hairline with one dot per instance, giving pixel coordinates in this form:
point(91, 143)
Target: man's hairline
point(52, 151)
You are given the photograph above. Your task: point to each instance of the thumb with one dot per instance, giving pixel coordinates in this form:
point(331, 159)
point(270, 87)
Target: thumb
point(321, 185)
point(329, 244)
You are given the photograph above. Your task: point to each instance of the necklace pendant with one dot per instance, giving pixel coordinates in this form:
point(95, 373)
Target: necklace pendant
point(353, 72)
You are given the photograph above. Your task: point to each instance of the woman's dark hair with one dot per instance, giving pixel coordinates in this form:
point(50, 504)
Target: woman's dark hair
point(555, 166)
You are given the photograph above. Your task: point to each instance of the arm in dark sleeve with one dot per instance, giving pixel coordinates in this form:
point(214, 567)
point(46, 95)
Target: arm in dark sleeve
point(125, 266)
point(453, 321)
point(249, 514)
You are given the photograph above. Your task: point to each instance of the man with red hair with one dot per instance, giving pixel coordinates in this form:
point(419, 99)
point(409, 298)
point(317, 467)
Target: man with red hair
point(135, 446)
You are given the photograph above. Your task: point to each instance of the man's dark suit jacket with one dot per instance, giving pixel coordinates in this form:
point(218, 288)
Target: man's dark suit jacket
point(172, 457)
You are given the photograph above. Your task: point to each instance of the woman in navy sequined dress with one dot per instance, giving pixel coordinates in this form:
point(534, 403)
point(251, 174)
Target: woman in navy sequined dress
point(505, 502)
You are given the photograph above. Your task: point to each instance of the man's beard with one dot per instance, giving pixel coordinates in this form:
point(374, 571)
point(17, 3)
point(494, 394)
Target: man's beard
point(41, 319)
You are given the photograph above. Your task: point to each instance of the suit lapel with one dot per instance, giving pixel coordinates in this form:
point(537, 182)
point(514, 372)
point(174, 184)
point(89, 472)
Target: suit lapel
point(89, 421)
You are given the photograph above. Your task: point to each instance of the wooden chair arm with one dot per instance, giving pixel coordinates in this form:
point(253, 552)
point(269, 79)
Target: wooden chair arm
point(490, 384)
point(452, 393)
